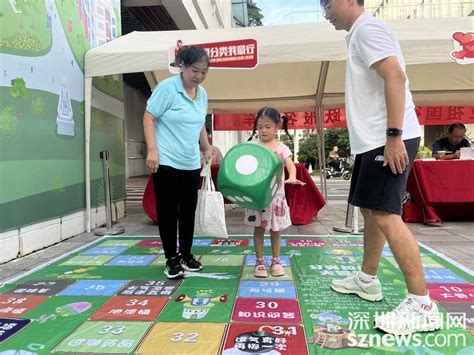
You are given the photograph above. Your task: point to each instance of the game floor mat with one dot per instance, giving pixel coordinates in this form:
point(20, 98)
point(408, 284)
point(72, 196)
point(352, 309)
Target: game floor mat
point(112, 297)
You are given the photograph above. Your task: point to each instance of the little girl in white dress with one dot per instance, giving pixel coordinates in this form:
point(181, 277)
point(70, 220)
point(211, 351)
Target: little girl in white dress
point(276, 216)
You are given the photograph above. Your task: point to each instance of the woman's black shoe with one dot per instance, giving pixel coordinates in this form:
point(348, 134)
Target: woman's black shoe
point(173, 268)
point(190, 263)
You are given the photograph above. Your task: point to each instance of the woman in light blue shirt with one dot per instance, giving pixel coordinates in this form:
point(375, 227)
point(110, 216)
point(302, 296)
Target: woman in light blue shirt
point(174, 128)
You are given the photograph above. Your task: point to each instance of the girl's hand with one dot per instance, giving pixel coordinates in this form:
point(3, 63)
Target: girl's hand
point(294, 181)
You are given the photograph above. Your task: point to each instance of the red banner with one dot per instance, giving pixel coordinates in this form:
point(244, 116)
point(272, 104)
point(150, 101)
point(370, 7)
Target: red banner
point(336, 118)
point(241, 54)
point(444, 115)
point(245, 121)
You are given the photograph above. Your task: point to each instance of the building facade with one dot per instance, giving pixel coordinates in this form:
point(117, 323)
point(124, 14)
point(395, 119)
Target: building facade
point(411, 9)
point(42, 167)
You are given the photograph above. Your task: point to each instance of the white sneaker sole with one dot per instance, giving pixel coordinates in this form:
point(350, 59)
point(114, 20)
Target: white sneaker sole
point(189, 269)
point(366, 296)
point(177, 276)
point(426, 328)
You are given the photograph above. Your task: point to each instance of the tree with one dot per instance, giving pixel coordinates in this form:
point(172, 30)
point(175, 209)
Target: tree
point(254, 13)
point(19, 90)
point(308, 149)
point(285, 139)
point(106, 80)
point(7, 122)
point(339, 137)
point(37, 106)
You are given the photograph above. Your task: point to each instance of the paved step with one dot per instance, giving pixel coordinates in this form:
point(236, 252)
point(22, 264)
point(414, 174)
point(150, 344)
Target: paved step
point(135, 190)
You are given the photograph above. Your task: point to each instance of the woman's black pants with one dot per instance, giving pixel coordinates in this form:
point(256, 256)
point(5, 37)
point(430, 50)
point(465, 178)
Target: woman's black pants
point(176, 199)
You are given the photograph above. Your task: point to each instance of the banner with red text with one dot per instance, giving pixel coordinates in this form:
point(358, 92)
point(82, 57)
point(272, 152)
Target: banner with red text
point(239, 54)
point(245, 121)
point(444, 115)
point(336, 118)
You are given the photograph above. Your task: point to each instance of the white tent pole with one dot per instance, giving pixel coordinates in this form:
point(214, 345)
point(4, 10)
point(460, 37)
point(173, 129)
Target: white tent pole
point(323, 73)
point(321, 150)
point(151, 78)
point(87, 134)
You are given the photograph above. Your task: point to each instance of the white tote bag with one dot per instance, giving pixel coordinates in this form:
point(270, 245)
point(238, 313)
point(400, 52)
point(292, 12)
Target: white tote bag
point(210, 213)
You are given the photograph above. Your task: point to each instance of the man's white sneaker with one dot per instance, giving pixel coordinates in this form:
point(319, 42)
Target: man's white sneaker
point(371, 291)
point(409, 317)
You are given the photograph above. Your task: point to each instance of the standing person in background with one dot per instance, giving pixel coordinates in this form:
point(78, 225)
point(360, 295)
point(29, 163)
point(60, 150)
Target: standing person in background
point(174, 130)
point(384, 134)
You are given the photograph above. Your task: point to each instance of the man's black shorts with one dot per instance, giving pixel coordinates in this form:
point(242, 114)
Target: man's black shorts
point(374, 186)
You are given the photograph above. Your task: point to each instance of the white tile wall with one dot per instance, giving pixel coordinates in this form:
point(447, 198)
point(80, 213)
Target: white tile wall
point(100, 217)
point(120, 208)
point(28, 239)
point(9, 245)
point(40, 235)
point(73, 224)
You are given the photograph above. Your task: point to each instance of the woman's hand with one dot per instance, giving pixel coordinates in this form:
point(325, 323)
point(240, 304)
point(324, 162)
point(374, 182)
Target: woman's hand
point(153, 161)
point(208, 155)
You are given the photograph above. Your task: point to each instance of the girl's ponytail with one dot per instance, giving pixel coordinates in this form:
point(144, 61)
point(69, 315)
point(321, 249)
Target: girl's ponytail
point(285, 126)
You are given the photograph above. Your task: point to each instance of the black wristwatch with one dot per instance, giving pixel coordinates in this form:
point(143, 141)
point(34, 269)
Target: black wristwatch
point(394, 132)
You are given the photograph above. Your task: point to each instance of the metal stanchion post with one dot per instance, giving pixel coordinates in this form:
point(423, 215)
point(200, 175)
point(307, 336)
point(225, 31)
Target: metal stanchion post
point(352, 221)
point(109, 229)
point(355, 222)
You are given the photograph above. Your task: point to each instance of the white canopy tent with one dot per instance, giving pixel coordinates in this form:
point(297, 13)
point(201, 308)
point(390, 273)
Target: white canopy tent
point(301, 67)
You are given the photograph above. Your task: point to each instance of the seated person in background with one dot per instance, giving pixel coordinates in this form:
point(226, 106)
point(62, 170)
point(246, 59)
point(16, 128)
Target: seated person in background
point(216, 153)
point(334, 158)
point(451, 144)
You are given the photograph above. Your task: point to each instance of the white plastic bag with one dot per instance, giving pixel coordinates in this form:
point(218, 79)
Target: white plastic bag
point(210, 213)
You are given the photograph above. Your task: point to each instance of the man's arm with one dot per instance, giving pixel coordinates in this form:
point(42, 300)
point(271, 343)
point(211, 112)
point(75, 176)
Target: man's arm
point(395, 153)
point(453, 155)
point(436, 147)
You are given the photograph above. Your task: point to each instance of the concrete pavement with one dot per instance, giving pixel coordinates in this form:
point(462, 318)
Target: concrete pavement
point(454, 239)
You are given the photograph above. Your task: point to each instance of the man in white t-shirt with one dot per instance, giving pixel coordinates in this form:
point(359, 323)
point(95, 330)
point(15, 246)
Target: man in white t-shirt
point(384, 135)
